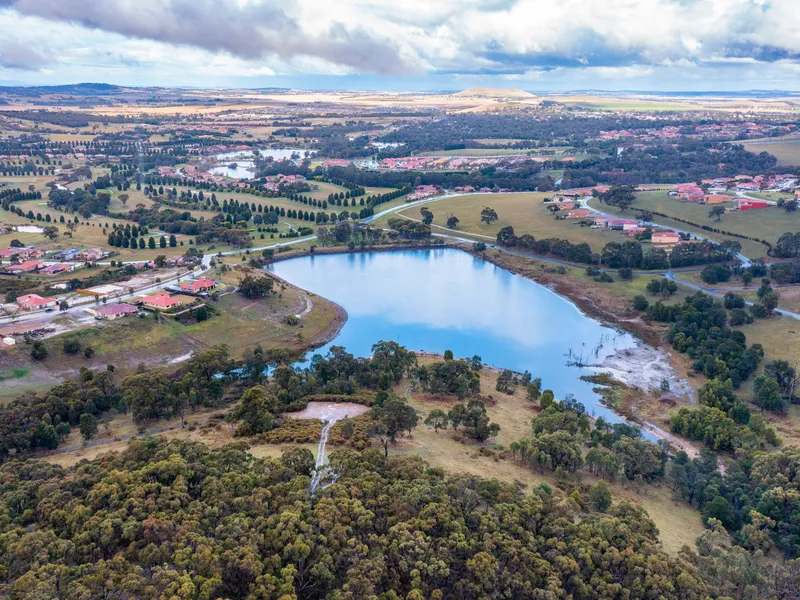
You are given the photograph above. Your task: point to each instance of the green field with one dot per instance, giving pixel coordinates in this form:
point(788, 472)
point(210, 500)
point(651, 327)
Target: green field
point(768, 223)
point(525, 211)
point(787, 151)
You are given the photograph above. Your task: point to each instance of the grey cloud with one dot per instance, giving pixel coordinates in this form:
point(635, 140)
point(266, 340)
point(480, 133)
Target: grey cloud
point(250, 32)
point(14, 55)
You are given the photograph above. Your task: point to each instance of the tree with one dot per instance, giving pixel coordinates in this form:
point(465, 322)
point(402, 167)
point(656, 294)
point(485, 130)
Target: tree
point(427, 215)
point(50, 232)
point(716, 211)
point(534, 390)
point(38, 350)
point(452, 221)
point(506, 237)
point(71, 346)
point(488, 215)
point(732, 301)
point(255, 410)
point(768, 394)
point(255, 287)
point(600, 496)
point(719, 508)
point(395, 415)
point(640, 303)
point(162, 242)
point(173, 241)
point(63, 306)
point(298, 460)
point(88, 426)
point(437, 419)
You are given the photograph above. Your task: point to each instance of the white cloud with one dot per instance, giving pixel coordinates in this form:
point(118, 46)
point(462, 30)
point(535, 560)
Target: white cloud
point(517, 40)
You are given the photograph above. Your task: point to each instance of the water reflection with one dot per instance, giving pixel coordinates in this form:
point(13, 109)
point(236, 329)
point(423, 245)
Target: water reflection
point(443, 299)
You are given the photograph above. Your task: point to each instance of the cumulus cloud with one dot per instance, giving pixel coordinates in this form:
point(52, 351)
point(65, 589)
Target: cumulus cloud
point(251, 31)
point(521, 40)
point(14, 55)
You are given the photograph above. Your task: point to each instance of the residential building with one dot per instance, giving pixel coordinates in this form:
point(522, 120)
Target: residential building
point(111, 312)
point(198, 285)
point(580, 213)
point(35, 302)
point(748, 204)
point(28, 266)
point(68, 254)
point(162, 301)
point(57, 268)
point(665, 238)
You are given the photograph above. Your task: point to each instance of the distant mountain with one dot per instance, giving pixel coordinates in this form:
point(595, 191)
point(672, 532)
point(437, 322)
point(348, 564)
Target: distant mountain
point(76, 89)
point(484, 92)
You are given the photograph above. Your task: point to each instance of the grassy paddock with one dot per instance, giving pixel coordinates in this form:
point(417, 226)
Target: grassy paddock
point(786, 151)
point(525, 211)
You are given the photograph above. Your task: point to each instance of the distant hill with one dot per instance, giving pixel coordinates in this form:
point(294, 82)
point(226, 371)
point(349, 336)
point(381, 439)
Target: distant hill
point(483, 92)
point(76, 89)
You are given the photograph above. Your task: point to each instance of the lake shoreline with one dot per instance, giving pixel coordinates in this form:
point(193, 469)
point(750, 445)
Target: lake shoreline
point(606, 315)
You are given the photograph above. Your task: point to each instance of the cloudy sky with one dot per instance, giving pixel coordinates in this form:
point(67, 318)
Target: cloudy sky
point(544, 45)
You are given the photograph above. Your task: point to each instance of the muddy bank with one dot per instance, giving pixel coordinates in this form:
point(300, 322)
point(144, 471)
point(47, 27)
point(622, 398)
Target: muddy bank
point(645, 368)
point(330, 411)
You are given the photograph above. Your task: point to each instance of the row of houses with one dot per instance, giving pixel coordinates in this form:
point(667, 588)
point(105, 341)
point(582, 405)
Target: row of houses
point(629, 227)
point(90, 255)
point(35, 266)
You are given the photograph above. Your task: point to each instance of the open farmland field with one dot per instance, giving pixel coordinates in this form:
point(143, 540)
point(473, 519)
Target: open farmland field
point(524, 211)
point(787, 151)
point(768, 223)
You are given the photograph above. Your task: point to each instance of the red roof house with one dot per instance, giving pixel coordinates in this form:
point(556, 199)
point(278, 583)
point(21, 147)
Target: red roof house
point(29, 266)
point(162, 301)
point(198, 285)
point(35, 302)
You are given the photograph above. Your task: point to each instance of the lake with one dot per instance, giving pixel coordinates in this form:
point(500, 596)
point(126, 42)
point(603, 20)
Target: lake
point(244, 160)
point(445, 299)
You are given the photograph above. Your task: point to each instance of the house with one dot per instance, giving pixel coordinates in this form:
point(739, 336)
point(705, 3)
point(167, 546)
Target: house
point(198, 285)
point(21, 252)
point(35, 302)
point(687, 188)
point(580, 213)
point(111, 312)
point(748, 204)
point(68, 254)
point(29, 266)
point(666, 238)
point(91, 255)
point(162, 301)
point(57, 268)
point(717, 198)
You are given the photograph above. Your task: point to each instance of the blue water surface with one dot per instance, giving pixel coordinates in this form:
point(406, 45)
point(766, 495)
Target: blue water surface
point(445, 299)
